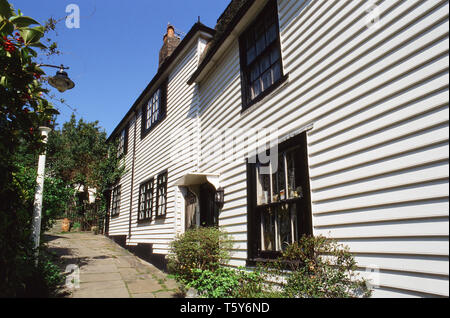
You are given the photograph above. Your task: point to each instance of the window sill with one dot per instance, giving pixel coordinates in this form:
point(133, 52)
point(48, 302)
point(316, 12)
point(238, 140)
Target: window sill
point(274, 89)
point(147, 220)
point(261, 259)
point(275, 203)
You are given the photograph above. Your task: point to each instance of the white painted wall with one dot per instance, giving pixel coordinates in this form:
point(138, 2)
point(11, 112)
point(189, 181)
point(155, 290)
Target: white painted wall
point(376, 102)
point(170, 145)
point(377, 99)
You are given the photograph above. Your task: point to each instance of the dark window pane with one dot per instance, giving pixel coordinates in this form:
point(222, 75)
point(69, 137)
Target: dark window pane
point(250, 38)
point(271, 34)
point(270, 18)
point(276, 72)
point(256, 88)
point(259, 29)
point(251, 54)
point(264, 63)
point(266, 80)
point(254, 74)
point(260, 44)
point(284, 227)
point(294, 178)
point(278, 181)
point(262, 187)
point(268, 229)
point(274, 55)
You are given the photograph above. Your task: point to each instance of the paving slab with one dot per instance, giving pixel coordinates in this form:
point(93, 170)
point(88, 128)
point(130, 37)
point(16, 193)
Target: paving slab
point(143, 286)
point(105, 293)
point(94, 268)
point(144, 295)
point(99, 277)
point(106, 270)
point(129, 274)
point(165, 294)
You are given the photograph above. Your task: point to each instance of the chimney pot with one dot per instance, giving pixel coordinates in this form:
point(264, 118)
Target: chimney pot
point(170, 31)
point(170, 43)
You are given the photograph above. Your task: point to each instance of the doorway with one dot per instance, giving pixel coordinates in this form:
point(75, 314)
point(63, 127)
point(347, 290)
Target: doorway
point(200, 208)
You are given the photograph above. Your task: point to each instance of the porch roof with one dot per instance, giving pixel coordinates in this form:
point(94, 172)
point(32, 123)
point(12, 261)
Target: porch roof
point(196, 178)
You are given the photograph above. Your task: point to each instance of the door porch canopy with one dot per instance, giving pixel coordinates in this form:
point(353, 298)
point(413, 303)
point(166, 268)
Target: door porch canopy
point(197, 178)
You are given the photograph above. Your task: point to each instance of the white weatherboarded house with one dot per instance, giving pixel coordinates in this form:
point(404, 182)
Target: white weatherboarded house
point(353, 97)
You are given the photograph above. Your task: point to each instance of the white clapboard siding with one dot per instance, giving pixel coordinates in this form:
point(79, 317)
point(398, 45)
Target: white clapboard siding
point(119, 225)
point(377, 101)
point(171, 145)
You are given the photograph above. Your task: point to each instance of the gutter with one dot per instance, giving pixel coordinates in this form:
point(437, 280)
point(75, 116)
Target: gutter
point(132, 175)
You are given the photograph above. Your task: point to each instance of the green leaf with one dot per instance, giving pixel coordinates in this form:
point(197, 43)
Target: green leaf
point(3, 81)
point(32, 35)
point(39, 45)
point(5, 9)
point(22, 21)
point(31, 51)
point(6, 27)
point(38, 70)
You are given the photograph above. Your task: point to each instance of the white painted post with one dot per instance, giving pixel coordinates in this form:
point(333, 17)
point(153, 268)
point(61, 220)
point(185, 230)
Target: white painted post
point(37, 213)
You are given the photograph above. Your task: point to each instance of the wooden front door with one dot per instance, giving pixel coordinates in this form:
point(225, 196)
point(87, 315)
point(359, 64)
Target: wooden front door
point(209, 215)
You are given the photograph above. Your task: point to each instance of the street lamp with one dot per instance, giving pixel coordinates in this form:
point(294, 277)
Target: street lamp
point(62, 83)
point(61, 80)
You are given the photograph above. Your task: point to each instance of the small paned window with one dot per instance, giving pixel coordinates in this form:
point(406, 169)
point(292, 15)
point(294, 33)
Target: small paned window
point(261, 65)
point(161, 194)
point(122, 147)
point(279, 200)
point(154, 110)
point(145, 208)
point(115, 202)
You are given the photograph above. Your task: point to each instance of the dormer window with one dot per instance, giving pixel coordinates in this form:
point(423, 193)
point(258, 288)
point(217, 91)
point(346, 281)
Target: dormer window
point(154, 110)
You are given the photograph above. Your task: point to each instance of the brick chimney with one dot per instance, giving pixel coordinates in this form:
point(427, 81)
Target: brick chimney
point(171, 41)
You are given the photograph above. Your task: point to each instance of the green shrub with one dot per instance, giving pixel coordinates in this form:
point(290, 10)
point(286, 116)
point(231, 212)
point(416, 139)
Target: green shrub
point(318, 267)
point(253, 284)
point(220, 283)
point(203, 248)
point(38, 281)
point(312, 267)
point(226, 282)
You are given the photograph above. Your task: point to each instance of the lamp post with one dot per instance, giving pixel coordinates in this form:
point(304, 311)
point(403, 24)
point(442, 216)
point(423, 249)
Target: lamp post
point(61, 82)
point(37, 212)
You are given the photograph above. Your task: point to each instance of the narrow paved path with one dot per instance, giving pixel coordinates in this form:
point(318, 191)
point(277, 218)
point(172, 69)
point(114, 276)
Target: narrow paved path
point(106, 269)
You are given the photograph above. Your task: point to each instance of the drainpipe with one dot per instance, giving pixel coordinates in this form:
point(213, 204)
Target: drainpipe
point(132, 174)
point(198, 127)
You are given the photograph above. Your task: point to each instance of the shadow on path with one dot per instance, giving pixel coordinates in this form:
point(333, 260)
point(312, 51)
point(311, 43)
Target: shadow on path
point(96, 267)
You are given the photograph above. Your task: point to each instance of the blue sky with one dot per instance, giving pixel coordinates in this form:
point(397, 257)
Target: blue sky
point(114, 54)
